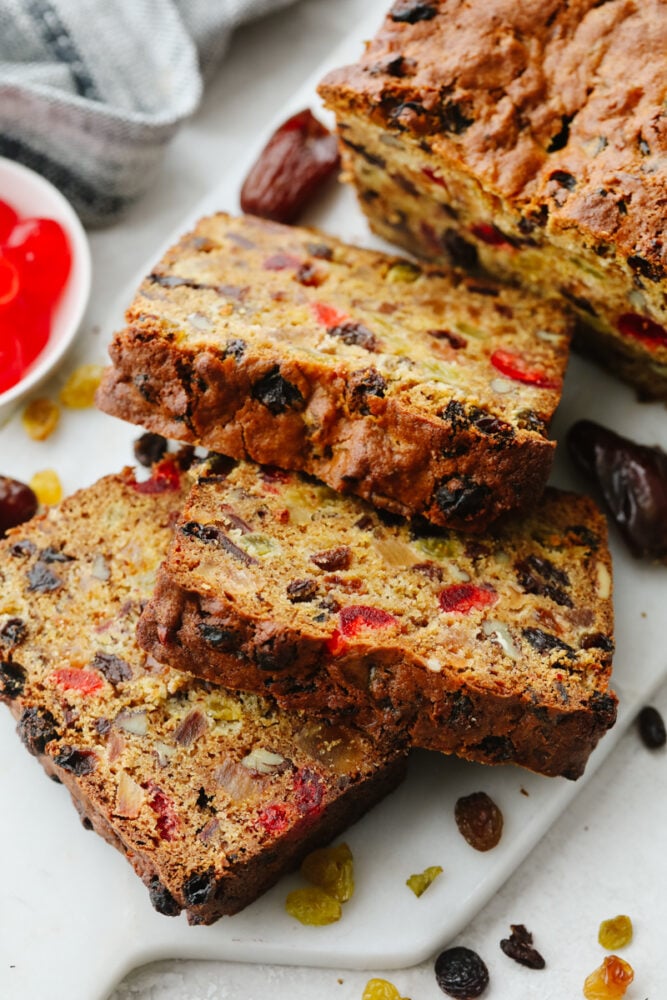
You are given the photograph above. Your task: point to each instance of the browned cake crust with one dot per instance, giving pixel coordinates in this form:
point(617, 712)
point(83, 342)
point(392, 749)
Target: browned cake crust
point(529, 138)
point(210, 795)
point(496, 648)
point(419, 389)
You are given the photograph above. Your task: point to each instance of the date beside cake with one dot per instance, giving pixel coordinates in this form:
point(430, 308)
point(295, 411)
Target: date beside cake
point(494, 647)
point(211, 795)
point(529, 141)
point(422, 390)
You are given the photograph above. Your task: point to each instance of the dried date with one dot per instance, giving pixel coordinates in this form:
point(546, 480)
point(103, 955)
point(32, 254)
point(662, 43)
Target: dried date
point(18, 503)
point(292, 167)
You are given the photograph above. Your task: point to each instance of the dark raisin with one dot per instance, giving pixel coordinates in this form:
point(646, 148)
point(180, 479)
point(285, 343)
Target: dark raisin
point(461, 497)
point(560, 139)
point(162, 899)
point(545, 642)
point(455, 117)
point(459, 249)
point(564, 179)
point(220, 638)
point(652, 727)
point(428, 569)
point(633, 481)
point(530, 421)
point(364, 383)
point(23, 548)
point(461, 973)
point(396, 67)
point(583, 536)
point(488, 424)
point(622, 207)
point(12, 678)
point(455, 340)
point(603, 707)
point(202, 532)
point(143, 386)
point(13, 632)
point(149, 449)
point(579, 301)
point(199, 887)
point(332, 559)
point(411, 11)
point(204, 800)
point(456, 415)
point(42, 580)
point(496, 748)
point(652, 271)
point(309, 275)
point(479, 820)
point(519, 946)
point(36, 729)
point(371, 158)
point(234, 348)
point(301, 590)
point(112, 667)
point(538, 575)
point(275, 392)
point(597, 640)
point(77, 762)
point(354, 334)
point(18, 503)
point(364, 523)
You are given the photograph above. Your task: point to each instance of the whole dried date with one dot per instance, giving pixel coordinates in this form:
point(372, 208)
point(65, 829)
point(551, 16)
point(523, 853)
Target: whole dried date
point(18, 503)
point(297, 159)
point(633, 480)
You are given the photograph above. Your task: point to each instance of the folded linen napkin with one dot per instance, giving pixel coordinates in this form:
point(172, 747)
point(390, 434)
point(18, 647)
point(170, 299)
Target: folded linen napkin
point(91, 91)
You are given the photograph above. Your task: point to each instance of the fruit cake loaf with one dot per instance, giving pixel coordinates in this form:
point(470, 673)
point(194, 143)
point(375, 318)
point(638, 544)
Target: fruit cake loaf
point(421, 390)
point(494, 647)
point(530, 139)
point(209, 794)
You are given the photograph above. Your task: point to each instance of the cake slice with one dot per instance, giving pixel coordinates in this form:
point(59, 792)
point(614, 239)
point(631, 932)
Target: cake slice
point(530, 140)
point(210, 795)
point(417, 388)
point(494, 647)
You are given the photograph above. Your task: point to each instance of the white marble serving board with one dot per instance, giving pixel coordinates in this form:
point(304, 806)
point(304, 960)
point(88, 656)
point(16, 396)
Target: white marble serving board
point(73, 916)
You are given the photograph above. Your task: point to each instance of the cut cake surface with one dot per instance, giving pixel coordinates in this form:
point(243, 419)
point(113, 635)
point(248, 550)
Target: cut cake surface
point(210, 795)
point(530, 139)
point(494, 647)
point(415, 387)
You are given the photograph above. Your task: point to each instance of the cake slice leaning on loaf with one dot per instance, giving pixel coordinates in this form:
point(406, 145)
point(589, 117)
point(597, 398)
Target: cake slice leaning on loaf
point(494, 647)
point(210, 795)
point(419, 389)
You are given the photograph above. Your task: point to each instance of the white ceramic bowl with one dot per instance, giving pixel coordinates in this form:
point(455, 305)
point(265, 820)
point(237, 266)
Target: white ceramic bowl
point(31, 195)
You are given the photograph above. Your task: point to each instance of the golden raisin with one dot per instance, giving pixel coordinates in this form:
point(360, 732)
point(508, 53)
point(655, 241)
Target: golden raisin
point(615, 933)
point(419, 883)
point(381, 989)
point(331, 868)
point(79, 390)
point(46, 487)
point(40, 419)
point(610, 980)
point(313, 906)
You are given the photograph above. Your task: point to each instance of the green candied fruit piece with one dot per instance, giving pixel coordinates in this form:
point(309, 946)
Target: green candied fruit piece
point(332, 869)
point(381, 989)
point(615, 932)
point(313, 906)
point(438, 548)
point(259, 545)
point(419, 883)
point(403, 271)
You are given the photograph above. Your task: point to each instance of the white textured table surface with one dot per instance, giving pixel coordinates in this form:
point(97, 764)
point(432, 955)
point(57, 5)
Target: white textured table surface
point(605, 855)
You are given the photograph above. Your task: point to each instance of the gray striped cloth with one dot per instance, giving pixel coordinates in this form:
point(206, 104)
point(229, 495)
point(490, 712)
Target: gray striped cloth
point(92, 90)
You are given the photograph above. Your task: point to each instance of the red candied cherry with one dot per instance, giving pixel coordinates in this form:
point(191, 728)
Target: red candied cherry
point(432, 176)
point(488, 233)
point(328, 315)
point(641, 328)
point(71, 679)
point(31, 321)
point(8, 219)
point(167, 822)
point(41, 252)
point(464, 597)
point(9, 282)
point(275, 818)
point(516, 368)
point(166, 478)
point(12, 364)
point(356, 619)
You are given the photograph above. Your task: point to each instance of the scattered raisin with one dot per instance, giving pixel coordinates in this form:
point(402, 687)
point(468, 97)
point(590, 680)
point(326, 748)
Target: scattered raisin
point(162, 899)
point(36, 729)
point(301, 590)
point(275, 392)
point(331, 869)
point(380, 989)
point(46, 486)
point(333, 559)
point(79, 390)
point(652, 727)
point(313, 906)
point(77, 762)
point(519, 946)
point(460, 496)
point(18, 503)
point(112, 667)
point(610, 980)
point(461, 973)
point(149, 449)
point(40, 419)
point(355, 335)
point(615, 933)
point(479, 820)
point(544, 642)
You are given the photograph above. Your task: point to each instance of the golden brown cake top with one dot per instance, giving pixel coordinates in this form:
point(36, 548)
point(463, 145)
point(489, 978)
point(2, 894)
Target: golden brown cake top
point(548, 103)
